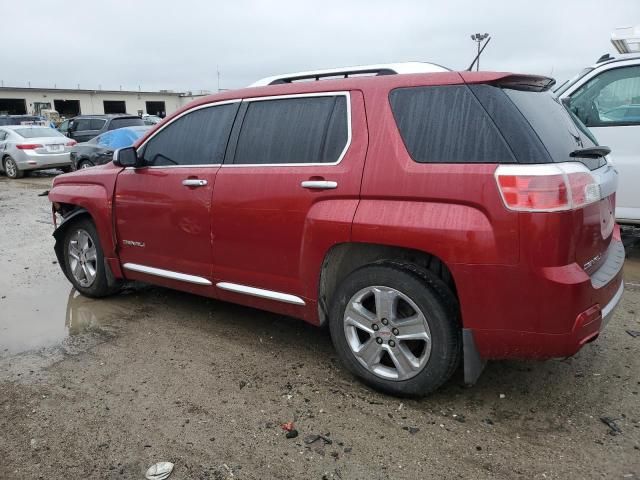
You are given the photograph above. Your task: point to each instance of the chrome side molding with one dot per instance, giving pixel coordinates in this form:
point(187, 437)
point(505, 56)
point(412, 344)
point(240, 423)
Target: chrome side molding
point(159, 272)
point(261, 293)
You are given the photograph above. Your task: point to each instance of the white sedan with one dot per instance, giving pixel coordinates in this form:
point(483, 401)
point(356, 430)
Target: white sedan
point(27, 147)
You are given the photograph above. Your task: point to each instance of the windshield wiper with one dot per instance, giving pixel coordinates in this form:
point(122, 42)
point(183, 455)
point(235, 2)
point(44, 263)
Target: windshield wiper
point(591, 152)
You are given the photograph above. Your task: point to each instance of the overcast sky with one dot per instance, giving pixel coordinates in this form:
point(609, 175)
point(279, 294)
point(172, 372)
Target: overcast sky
point(177, 44)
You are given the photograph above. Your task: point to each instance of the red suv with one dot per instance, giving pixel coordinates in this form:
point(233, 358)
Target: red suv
point(429, 219)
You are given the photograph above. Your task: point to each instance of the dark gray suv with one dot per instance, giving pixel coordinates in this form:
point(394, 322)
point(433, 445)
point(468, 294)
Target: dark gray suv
point(86, 127)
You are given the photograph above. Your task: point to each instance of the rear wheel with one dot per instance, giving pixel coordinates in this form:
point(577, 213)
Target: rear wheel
point(396, 329)
point(84, 260)
point(11, 168)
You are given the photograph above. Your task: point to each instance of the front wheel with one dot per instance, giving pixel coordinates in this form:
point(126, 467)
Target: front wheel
point(395, 329)
point(84, 260)
point(85, 164)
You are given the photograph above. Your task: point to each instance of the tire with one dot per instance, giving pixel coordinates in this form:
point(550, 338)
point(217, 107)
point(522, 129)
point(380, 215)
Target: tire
point(85, 267)
point(85, 164)
point(11, 168)
point(396, 357)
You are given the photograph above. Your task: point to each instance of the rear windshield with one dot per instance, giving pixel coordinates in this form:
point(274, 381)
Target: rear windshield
point(37, 132)
point(125, 122)
point(560, 131)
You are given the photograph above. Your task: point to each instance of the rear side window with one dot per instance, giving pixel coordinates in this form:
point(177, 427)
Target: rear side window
point(81, 124)
point(447, 124)
point(293, 130)
point(125, 122)
point(197, 138)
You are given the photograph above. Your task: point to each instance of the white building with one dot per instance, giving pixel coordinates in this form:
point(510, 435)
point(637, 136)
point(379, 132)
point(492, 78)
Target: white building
point(70, 102)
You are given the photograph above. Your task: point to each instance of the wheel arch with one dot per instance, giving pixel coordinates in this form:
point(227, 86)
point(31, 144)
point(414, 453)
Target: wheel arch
point(73, 214)
point(344, 258)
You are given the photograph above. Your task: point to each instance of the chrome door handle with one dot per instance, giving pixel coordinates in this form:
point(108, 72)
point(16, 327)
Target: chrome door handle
point(319, 184)
point(194, 182)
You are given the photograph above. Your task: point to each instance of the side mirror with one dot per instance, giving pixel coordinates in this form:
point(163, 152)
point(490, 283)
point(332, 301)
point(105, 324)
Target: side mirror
point(127, 157)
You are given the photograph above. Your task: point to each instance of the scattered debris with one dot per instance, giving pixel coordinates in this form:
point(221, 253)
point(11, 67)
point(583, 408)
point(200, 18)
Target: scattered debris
point(633, 333)
point(242, 384)
point(488, 421)
point(309, 439)
point(614, 429)
point(159, 471)
point(287, 427)
point(459, 418)
point(502, 395)
point(411, 430)
point(292, 433)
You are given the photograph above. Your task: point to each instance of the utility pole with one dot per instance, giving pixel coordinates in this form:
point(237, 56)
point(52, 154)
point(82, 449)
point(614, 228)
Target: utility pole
point(479, 38)
point(218, 73)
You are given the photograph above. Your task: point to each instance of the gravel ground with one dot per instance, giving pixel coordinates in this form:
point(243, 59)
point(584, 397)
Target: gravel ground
point(105, 388)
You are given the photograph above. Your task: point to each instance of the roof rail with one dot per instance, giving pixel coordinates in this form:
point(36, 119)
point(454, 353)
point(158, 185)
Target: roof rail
point(346, 72)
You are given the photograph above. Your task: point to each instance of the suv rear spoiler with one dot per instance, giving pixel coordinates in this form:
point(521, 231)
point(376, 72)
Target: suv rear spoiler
point(529, 83)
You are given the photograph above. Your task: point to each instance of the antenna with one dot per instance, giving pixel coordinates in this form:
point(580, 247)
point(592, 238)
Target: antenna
point(480, 50)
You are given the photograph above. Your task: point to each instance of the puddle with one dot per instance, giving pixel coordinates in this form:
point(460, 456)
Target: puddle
point(34, 322)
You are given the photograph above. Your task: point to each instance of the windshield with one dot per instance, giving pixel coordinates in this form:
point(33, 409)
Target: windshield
point(571, 81)
point(37, 132)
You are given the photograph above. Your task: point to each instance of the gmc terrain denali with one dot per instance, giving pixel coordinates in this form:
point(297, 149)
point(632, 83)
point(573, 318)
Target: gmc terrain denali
point(428, 218)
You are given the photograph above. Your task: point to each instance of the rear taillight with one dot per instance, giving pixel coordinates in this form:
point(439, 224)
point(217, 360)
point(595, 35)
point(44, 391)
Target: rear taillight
point(28, 146)
point(71, 143)
point(546, 188)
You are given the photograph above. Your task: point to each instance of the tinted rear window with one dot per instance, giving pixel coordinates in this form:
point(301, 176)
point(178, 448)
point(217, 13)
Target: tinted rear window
point(96, 123)
point(447, 124)
point(37, 132)
point(560, 131)
point(125, 122)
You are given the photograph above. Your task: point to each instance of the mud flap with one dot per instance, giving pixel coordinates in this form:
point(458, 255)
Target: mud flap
point(473, 363)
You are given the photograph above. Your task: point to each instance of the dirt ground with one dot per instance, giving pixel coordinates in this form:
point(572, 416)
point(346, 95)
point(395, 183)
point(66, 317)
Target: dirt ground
point(105, 388)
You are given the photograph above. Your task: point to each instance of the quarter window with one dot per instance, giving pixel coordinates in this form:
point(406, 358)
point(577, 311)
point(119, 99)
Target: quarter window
point(611, 98)
point(447, 124)
point(197, 138)
point(293, 130)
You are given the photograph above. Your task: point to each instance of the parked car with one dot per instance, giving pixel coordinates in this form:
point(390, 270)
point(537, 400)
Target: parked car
point(25, 148)
point(85, 127)
point(99, 150)
point(606, 98)
point(428, 219)
point(6, 120)
point(151, 119)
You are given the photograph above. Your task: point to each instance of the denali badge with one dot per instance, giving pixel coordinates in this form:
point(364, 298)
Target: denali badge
point(131, 243)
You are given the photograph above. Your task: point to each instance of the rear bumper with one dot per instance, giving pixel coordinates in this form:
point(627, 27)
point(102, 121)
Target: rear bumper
point(40, 161)
point(519, 312)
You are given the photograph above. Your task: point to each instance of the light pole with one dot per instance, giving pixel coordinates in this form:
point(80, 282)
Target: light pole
point(479, 37)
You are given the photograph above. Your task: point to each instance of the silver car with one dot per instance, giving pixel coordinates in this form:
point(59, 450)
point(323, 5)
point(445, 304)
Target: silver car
point(29, 147)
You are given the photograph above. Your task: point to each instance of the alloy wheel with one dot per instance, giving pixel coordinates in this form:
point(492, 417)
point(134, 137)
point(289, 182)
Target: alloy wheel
point(387, 333)
point(83, 259)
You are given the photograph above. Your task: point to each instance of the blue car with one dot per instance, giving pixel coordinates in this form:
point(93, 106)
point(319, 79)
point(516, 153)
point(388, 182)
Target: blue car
point(99, 150)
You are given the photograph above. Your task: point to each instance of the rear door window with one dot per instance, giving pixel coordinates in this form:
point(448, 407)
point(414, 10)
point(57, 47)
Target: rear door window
point(82, 124)
point(97, 123)
point(197, 138)
point(293, 131)
point(447, 124)
point(125, 122)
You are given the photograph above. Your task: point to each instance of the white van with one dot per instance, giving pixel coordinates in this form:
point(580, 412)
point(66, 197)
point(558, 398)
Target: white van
point(606, 97)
